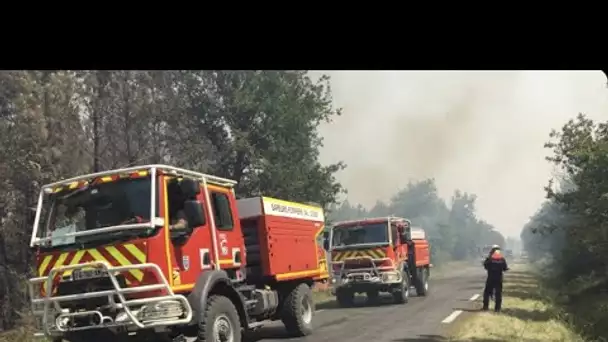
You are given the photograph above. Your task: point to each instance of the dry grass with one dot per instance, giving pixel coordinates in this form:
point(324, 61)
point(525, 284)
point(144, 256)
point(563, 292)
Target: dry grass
point(526, 315)
point(25, 333)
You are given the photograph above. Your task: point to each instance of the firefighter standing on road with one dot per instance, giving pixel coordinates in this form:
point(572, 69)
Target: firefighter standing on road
point(495, 264)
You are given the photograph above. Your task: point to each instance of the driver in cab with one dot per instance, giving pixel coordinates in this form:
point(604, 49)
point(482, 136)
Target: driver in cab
point(178, 220)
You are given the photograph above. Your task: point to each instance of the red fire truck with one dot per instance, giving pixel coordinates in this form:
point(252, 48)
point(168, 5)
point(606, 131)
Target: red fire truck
point(376, 255)
point(112, 266)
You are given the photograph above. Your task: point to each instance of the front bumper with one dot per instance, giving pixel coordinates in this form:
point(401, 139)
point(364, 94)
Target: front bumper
point(363, 281)
point(126, 314)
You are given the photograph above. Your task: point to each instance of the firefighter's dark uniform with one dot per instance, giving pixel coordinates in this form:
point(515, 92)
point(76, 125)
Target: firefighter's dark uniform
point(495, 264)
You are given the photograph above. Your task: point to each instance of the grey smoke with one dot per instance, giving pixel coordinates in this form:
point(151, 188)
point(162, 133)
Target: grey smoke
point(482, 132)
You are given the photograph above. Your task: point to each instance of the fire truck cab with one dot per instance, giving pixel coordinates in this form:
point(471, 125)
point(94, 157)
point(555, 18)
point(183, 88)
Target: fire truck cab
point(378, 255)
point(113, 264)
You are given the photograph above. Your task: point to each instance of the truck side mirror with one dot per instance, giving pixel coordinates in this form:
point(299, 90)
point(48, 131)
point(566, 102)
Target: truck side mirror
point(189, 187)
point(194, 214)
point(326, 241)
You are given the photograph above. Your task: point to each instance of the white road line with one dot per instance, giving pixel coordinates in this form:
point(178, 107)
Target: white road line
point(452, 317)
point(475, 296)
point(320, 310)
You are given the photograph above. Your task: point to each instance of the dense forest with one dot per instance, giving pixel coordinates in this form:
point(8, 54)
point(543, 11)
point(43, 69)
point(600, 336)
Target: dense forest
point(257, 127)
point(455, 231)
point(569, 233)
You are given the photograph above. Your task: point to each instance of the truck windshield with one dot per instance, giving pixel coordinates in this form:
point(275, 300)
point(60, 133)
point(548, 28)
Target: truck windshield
point(97, 206)
point(362, 234)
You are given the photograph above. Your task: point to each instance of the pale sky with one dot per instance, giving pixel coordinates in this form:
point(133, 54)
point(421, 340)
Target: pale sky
point(481, 132)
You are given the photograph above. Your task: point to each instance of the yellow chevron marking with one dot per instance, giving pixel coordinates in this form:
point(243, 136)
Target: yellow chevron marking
point(139, 275)
point(44, 264)
point(136, 252)
point(142, 173)
point(375, 254)
point(74, 261)
point(106, 179)
point(97, 256)
point(61, 260)
point(73, 185)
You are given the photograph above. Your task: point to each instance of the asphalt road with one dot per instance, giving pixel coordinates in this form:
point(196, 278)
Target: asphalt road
point(418, 320)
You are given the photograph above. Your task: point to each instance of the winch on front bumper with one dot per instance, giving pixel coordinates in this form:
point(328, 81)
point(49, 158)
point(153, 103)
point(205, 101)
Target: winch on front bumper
point(116, 312)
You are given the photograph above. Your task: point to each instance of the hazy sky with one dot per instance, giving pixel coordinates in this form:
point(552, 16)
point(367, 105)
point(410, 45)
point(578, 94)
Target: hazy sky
point(481, 132)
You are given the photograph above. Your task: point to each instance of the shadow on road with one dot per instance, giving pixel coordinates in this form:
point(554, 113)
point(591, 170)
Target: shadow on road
point(267, 333)
point(437, 338)
point(360, 302)
point(468, 309)
point(478, 287)
point(278, 332)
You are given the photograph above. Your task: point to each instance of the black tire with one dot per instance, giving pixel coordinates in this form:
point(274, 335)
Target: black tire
point(422, 285)
point(402, 295)
point(345, 298)
point(219, 313)
point(298, 311)
point(373, 296)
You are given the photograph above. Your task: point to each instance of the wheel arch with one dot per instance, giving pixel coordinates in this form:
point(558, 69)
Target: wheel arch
point(215, 283)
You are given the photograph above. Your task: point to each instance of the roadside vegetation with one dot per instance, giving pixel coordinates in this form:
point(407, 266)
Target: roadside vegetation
point(568, 236)
point(528, 314)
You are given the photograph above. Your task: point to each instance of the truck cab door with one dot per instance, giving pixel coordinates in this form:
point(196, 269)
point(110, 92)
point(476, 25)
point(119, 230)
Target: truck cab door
point(186, 261)
point(229, 240)
point(399, 247)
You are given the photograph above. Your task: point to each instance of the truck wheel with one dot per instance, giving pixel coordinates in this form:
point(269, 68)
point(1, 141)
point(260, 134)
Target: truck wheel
point(373, 296)
point(220, 321)
point(402, 295)
point(298, 310)
point(345, 298)
point(422, 285)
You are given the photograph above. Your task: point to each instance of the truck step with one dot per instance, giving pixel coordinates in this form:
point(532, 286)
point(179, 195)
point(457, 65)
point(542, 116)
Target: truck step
point(243, 288)
point(255, 325)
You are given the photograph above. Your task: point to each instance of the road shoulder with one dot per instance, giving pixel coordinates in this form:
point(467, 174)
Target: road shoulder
point(525, 316)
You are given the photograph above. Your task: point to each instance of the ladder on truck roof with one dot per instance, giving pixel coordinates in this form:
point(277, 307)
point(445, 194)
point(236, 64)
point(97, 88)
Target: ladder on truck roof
point(391, 219)
point(206, 178)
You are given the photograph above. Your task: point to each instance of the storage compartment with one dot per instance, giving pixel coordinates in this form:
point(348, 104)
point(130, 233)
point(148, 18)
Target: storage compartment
point(280, 237)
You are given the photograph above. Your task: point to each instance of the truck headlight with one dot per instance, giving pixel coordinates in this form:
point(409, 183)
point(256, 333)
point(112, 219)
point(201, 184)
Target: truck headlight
point(161, 310)
point(390, 277)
